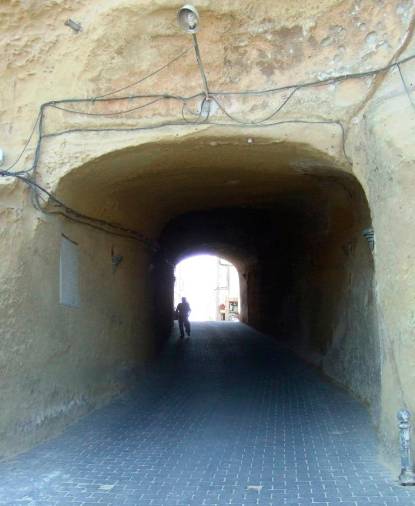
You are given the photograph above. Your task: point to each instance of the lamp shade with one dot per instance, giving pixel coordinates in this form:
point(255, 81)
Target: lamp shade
point(188, 19)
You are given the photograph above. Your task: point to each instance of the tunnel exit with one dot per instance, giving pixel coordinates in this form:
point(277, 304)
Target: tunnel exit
point(211, 285)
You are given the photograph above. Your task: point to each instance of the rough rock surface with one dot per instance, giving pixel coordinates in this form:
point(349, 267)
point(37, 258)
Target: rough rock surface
point(58, 362)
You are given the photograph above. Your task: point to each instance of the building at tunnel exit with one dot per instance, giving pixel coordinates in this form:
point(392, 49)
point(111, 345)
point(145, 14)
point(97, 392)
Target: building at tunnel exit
point(294, 161)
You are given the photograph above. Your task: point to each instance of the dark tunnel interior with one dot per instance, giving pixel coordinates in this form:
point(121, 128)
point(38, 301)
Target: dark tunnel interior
point(305, 269)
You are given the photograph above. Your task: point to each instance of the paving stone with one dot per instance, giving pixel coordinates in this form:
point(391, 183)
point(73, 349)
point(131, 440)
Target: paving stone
point(225, 418)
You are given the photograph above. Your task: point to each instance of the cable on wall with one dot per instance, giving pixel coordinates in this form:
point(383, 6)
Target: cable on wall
point(73, 215)
point(135, 83)
point(407, 91)
point(203, 117)
point(294, 87)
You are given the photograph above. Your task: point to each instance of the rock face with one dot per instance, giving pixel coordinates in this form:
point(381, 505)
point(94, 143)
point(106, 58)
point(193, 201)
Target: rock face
point(320, 164)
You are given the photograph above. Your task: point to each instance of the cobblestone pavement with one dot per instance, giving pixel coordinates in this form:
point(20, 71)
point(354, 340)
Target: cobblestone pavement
point(222, 418)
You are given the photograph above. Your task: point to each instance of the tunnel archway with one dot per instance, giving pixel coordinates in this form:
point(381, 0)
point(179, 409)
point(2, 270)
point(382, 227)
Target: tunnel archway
point(288, 215)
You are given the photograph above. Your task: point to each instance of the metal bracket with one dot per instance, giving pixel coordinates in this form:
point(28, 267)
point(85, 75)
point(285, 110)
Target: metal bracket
point(116, 260)
point(76, 27)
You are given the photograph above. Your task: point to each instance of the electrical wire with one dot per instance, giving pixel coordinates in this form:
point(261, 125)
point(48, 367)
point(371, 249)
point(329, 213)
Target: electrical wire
point(38, 190)
point(124, 97)
point(200, 65)
point(25, 146)
point(124, 111)
point(213, 94)
point(256, 122)
point(408, 93)
point(74, 215)
point(205, 100)
point(320, 82)
point(113, 92)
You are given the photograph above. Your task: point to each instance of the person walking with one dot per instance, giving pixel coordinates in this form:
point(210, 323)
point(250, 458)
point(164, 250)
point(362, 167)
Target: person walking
point(183, 311)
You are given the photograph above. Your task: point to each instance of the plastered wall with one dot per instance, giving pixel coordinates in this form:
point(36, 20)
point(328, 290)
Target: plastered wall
point(388, 172)
point(59, 362)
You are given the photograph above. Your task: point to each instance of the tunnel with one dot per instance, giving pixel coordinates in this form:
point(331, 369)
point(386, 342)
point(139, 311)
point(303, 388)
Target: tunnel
point(281, 143)
point(288, 215)
point(282, 206)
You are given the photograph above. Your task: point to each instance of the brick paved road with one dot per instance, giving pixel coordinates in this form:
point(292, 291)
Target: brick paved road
point(223, 418)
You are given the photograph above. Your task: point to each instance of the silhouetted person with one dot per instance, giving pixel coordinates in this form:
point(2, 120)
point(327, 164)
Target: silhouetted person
point(183, 311)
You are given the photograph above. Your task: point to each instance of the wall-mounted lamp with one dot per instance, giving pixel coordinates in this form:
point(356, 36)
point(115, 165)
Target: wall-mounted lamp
point(369, 235)
point(188, 21)
point(115, 260)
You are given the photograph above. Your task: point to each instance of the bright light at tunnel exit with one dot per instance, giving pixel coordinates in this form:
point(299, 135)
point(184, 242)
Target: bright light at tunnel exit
point(211, 285)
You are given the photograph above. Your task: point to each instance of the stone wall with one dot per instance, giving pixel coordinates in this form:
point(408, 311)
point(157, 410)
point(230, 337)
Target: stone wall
point(144, 179)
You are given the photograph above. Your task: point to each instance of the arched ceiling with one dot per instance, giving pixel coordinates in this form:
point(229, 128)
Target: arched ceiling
point(147, 186)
